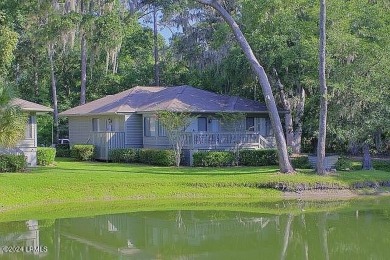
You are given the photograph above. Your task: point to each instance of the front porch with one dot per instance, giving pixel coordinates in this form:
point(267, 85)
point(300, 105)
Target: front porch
point(226, 141)
point(105, 141)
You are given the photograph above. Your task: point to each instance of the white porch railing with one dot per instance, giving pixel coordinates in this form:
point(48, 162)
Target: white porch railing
point(205, 140)
point(105, 141)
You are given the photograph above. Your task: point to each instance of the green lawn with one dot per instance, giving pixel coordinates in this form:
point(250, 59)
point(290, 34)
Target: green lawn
point(95, 183)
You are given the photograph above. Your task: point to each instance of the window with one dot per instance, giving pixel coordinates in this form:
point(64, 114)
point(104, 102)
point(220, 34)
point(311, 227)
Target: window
point(29, 128)
point(250, 124)
point(202, 124)
point(161, 129)
point(95, 124)
point(149, 126)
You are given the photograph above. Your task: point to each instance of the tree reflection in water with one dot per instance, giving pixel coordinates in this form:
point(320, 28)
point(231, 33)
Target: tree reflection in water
point(352, 231)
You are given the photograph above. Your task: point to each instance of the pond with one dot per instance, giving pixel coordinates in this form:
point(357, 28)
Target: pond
point(303, 230)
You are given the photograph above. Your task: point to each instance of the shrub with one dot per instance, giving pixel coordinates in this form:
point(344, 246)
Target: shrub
point(301, 162)
point(213, 158)
point(12, 163)
point(124, 155)
point(344, 164)
point(157, 157)
point(45, 155)
point(261, 157)
point(381, 165)
point(63, 150)
point(83, 152)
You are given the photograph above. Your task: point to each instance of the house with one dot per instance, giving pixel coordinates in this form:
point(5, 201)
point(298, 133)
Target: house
point(29, 144)
point(128, 120)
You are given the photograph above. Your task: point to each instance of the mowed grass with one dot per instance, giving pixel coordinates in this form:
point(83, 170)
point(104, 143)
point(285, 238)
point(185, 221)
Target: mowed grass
point(70, 182)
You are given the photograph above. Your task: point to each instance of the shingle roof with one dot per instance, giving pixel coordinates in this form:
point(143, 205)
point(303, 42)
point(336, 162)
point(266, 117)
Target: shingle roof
point(178, 98)
point(30, 106)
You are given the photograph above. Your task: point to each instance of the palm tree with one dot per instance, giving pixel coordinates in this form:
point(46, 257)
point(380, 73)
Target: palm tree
point(12, 119)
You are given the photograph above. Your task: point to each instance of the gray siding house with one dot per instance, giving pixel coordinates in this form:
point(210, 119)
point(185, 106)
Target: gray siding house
point(128, 120)
point(29, 144)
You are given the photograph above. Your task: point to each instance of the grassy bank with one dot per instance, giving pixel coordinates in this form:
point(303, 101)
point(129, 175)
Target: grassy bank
point(80, 183)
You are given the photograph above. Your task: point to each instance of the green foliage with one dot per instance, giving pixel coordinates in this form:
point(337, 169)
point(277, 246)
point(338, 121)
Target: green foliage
point(46, 155)
point(127, 155)
point(381, 165)
point(157, 157)
point(344, 164)
point(12, 120)
point(8, 41)
point(263, 157)
point(83, 152)
point(175, 124)
point(12, 163)
point(44, 127)
point(300, 162)
point(213, 158)
point(62, 150)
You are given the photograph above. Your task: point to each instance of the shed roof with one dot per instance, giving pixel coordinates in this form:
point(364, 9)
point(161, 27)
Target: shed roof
point(178, 98)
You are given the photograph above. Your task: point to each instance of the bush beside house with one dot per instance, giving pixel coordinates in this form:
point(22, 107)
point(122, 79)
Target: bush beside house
point(213, 158)
point(145, 156)
point(12, 163)
point(157, 157)
point(125, 155)
point(262, 157)
point(46, 155)
point(62, 150)
point(83, 152)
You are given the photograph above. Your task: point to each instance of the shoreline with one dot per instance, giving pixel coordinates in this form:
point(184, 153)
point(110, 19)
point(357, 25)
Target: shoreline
point(335, 194)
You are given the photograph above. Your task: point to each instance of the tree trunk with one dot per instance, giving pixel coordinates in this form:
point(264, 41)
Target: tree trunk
point(298, 119)
point(324, 92)
point(36, 76)
point(288, 120)
point(367, 162)
point(83, 88)
point(293, 136)
point(284, 163)
point(54, 94)
point(155, 42)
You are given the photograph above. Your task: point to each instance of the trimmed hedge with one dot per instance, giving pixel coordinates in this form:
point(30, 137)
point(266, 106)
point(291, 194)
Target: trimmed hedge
point(45, 155)
point(126, 155)
point(301, 162)
point(63, 150)
point(83, 152)
point(263, 157)
point(157, 157)
point(213, 158)
point(12, 163)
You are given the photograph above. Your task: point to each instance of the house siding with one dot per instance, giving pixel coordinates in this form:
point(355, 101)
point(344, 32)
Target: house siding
point(79, 130)
point(80, 127)
point(29, 144)
point(133, 130)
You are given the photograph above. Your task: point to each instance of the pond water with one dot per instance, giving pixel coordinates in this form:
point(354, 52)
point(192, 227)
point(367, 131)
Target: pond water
point(336, 230)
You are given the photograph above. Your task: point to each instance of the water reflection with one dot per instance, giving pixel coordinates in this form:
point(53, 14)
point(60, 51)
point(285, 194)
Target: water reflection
point(352, 233)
